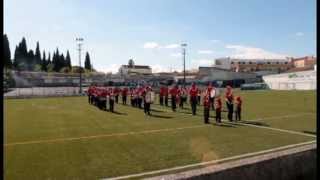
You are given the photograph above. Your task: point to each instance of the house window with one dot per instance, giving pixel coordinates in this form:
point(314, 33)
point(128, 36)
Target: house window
point(268, 62)
point(250, 62)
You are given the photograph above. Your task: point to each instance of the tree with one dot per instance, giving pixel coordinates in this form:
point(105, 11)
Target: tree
point(30, 63)
point(6, 52)
point(68, 60)
point(131, 63)
point(62, 62)
point(16, 58)
point(50, 67)
point(55, 61)
point(23, 47)
point(37, 55)
point(20, 60)
point(44, 62)
point(49, 59)
point(87, 63)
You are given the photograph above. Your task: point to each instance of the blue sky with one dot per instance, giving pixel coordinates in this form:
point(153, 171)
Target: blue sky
point(150, 31)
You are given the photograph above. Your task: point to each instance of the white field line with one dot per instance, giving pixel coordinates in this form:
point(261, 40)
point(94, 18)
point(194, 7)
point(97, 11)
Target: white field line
point(275, 129)
point(103, 135)
point(143, 132)
point(212, 162)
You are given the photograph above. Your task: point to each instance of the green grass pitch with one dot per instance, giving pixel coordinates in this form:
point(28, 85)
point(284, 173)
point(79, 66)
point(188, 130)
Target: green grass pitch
point(66, 138)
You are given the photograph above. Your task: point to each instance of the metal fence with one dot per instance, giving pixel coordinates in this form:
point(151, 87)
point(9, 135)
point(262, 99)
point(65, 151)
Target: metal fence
point(302, 85)
point(43, 92)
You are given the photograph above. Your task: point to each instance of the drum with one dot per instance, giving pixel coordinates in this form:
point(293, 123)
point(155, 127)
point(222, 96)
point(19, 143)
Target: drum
point(212, 93)
point(153, 96)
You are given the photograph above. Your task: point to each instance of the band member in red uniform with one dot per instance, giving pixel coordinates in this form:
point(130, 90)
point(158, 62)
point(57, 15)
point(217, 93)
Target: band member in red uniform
point(143, 94)
point(193, 98)
point(218, 106)
point(103, 98)
point(238, 108)
point(212, 96)
point(116, 94)
point(89, 93)
point(174, 92)
point(183, 96)
point(206, 105)
point(111, 99)
point(199, 97)
point(147, 100)
point(93, 89)
point(140, 98)
point(161, 94)
point(94, 96)
point(212, 92)
point(229, 102)
point(99, 97)
point(132, 96)
point(135, 97)
point(166, 94)
point(124, 94)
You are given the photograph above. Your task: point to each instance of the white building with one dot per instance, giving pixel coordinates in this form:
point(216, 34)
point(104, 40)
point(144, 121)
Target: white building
point(251, 65)
point(303, 80)
point(132, 69)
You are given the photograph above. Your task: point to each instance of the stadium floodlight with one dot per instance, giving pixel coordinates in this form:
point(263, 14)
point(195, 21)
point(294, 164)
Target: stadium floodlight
point(79, 41)
point(184, 45)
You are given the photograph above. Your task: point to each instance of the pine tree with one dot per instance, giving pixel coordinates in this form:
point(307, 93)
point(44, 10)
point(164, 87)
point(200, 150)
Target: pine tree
point(49, 58)
point(62, 61)
point(87, 63)
point(6, 52)
point(30, 63)
point(23, 47)
point(54, 61)
point(49, 63)
point(37, 54)
point(68, 60)
point(16, 58)
point(44, 62)
point(20, 60)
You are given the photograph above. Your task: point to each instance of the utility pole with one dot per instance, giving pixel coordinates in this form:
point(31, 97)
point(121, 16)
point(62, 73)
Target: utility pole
point(184, 63)
point(79, 41)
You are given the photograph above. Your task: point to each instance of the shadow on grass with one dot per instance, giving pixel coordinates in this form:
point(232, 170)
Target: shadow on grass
point(160, 116)
point(155, 110)
point(310, 132)
point(254, 123)
point(223, 125)
point(119, 113)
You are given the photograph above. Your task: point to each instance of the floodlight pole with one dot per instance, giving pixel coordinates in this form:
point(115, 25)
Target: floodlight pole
point(184, 63)
point(80, 40)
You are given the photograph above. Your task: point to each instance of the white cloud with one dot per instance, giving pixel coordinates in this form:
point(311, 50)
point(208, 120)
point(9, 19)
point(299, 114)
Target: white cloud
point(172, 46)
point(112, 68)
point(159, 68)
point(215, 41)
point(240, 51)
point(151, 45)
point(202, 62)
point(205, 52)
point(299, 34)
point(176, 55)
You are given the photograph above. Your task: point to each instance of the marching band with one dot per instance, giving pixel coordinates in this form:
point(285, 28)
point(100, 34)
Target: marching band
point(106, 97)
